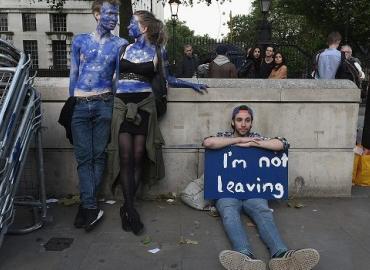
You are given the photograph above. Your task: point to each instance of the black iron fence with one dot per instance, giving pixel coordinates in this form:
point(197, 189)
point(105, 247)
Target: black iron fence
point(299, 60)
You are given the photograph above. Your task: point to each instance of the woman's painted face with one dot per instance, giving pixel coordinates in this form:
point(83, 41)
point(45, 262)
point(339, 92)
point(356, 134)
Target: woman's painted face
point(134, 28)
point(108, 16)
point(278, 58)
point(256, 53)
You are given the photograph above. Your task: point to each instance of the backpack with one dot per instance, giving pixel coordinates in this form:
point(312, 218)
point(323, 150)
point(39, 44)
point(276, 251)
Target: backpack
point(346, 69)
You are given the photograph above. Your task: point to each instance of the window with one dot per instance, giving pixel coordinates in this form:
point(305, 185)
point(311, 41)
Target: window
point(59, 54)
point(30, 48)
point(3, 22)
point(58, 22)
point(29, 21)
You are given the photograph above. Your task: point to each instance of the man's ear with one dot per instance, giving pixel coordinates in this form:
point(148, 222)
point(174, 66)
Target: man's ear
point(232, 124)
point(97, 15)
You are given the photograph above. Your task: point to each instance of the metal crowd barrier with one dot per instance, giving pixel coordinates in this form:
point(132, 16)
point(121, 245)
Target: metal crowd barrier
point(20, 121)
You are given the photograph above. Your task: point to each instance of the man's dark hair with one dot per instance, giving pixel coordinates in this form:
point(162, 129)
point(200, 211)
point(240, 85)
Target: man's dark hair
point(221, 49)
point(96, 5)
point(237, 109)
point(334, 37)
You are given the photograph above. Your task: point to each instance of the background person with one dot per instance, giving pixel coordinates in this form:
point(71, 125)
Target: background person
point(242, 256)
point(353, 60)
point(251, 66)
point(329, 60)
point(280, 70)
point(187, 68)
point(267, 63)
point(221, 67)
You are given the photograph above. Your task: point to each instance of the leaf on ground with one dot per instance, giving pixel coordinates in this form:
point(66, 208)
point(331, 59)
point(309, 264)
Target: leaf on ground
point(146, 240)
point(250, 224)
point(184, 241)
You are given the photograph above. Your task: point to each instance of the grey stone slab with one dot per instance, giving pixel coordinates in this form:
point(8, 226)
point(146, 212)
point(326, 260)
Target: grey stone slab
point(321, 95)
point(52, 89)
point(324, 173)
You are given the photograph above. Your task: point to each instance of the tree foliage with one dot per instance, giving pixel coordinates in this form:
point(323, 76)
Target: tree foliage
point(307, 23)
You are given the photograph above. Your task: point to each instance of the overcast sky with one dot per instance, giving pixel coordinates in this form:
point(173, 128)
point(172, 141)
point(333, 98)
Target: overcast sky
point(211, 20)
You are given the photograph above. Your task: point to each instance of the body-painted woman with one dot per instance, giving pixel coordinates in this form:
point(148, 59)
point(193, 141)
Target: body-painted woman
point(134, 90)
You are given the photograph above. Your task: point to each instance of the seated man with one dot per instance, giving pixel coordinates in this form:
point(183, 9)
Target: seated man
point(242, 258)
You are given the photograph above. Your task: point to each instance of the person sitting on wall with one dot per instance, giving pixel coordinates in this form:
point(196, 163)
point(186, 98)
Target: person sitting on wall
point(242, 257)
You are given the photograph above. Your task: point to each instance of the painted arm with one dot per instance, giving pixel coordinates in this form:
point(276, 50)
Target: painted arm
point(75, 63)
point(177, 83)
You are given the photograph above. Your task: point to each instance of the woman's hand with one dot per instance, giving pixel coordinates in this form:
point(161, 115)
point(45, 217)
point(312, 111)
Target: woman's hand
point(200, 88)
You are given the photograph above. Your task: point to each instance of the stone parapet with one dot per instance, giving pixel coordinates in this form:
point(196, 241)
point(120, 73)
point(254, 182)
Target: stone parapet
point(318, 117)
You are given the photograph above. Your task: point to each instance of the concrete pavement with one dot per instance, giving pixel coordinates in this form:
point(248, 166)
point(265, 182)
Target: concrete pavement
point(337, 227)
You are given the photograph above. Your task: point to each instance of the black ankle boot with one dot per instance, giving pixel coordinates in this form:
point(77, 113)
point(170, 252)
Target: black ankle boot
point(135, 223)
point(124, 219)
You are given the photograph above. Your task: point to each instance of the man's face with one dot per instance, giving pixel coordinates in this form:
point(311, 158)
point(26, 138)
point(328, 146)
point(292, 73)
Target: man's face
point(242, 123)
point(108, 16)
point(134, 29)
point(269, 52)
point(188, 51)
point(347, 52)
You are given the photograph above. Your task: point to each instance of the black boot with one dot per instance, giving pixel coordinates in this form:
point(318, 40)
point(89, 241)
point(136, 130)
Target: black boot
point(135, 223)
point(80, 218)
point(124, 219)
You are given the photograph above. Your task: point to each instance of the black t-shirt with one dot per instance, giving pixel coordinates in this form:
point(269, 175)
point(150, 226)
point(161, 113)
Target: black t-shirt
point(265, 69)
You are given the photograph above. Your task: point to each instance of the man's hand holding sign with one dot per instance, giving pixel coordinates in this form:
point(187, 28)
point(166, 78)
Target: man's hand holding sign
point(242, 170)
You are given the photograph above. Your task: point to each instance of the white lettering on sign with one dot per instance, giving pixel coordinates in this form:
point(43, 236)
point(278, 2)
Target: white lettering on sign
point(277, 190)
point(235, 162)
point(275, 161)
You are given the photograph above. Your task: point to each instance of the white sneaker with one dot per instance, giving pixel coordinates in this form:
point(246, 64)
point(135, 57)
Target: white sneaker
point(300, 259)
point(233, 260)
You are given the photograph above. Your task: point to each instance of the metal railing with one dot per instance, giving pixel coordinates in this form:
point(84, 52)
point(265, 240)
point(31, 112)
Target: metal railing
point(20, 121)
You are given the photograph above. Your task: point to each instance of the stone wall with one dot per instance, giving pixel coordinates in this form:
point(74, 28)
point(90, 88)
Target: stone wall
point(319, 119)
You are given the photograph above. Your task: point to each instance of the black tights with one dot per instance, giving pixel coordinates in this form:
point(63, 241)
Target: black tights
point(131, 153)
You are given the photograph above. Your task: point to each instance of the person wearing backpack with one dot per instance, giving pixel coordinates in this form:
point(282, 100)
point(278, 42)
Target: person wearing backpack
point(328, 61)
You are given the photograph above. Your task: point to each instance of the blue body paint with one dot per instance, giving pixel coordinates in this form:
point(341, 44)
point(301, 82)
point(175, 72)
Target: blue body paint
point(142, 51)
point(93, 56)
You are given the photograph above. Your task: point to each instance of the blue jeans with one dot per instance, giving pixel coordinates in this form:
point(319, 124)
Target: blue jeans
point(256, 209)
point(91, 123)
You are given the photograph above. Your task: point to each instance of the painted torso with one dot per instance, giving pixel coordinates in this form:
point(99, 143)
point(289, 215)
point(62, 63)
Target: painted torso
point(95, 61)
point(139, 52)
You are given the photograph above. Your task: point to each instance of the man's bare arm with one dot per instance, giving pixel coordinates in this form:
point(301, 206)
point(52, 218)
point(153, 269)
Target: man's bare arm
point(271, 144)
point(221, 142)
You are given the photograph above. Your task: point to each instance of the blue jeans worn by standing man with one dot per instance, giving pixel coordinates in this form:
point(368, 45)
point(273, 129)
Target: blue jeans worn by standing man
point(259, 211)
point(91, 123)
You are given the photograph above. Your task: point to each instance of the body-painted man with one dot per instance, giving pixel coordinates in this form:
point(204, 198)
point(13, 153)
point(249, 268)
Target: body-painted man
point(93, 62)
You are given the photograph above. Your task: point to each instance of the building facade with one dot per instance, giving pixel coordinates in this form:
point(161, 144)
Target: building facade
point(46, 34)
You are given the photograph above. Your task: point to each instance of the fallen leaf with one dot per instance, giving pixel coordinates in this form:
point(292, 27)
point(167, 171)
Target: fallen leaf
point(147, 240)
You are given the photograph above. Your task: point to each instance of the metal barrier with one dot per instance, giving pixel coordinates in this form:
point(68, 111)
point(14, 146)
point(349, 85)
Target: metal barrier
point(20, 121)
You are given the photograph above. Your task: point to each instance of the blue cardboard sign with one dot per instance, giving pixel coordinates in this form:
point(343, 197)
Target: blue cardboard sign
point(245, 173)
